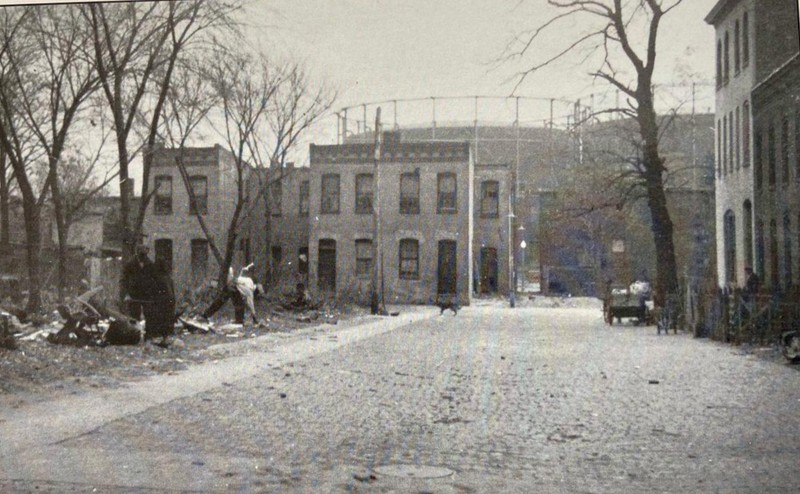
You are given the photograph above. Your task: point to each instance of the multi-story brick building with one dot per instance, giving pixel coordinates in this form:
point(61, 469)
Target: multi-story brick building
point(776, 169)
point(425, 201)
point(753, 39)
point(171, 225)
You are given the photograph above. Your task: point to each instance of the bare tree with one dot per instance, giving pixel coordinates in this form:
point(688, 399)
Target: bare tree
point(20, 91)
point(615, 35)
point(137, 46)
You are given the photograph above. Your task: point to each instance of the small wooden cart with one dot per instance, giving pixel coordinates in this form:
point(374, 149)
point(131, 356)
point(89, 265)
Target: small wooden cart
point(621, 303)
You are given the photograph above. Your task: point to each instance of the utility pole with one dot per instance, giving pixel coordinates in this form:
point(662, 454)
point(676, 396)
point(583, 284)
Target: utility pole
point(377, 304)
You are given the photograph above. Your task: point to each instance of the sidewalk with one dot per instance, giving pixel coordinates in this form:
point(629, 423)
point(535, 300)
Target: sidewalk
point(32, 432)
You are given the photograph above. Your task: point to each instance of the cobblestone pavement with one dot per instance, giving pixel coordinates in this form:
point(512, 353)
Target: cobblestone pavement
point(491, 400)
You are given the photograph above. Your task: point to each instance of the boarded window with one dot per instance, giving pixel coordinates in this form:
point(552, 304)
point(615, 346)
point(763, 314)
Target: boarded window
point(303, 201)
point(746, 134)
point(785, 151)
point(745, 41)
point(490, 199)
point(364, 254)
point(409, 259)
point(200, 189)
point(771, 155)
point(409, 193)
point(364, 193)
point(446, 188)
point(162, 202)
point(329, 198)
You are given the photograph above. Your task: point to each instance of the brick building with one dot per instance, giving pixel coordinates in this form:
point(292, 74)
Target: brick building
point(426, 196)
point(776, 170)
point(492, 188)
point(754, 38)
point(171, 225)
point(277, 227)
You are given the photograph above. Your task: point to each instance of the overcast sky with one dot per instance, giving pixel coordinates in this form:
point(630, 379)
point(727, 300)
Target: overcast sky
point(378, 50)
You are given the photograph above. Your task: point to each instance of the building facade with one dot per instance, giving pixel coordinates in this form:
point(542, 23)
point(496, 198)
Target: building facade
point(423, 228)
point(492, 191)
point(277, 226)
point(776, 134)
point(171, 226)
point(753, 39)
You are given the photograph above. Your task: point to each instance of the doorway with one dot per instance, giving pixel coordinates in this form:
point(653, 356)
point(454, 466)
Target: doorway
point(489, 269)
point(327, 265)
point(447, 268)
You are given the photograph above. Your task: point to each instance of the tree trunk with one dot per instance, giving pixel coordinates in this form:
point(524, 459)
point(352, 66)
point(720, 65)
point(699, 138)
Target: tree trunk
point(666, 268)
point(33, 235)
point(5, 200)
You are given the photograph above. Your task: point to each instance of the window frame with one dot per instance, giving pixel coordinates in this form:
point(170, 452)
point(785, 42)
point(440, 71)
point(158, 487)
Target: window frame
point(363, 265)
point(334, 192)
point(276, 198)
point(304, 198)
point(485, 188)
point(405, 260)
point(198, 202)
point(160, 205)
point(441, 196)
point(409, 204)
point(363, 201)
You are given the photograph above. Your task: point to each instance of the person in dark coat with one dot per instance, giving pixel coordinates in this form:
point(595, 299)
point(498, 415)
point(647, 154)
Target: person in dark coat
point(137, 276)
point(160, 312)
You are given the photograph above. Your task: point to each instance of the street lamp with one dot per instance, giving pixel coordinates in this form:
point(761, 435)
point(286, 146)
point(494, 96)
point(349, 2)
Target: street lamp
point(521, 265)
point(522, 246)
point(512, 282)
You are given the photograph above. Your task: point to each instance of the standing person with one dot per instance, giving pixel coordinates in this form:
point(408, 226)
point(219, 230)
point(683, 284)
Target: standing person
point(160, 313)
point(136, 283)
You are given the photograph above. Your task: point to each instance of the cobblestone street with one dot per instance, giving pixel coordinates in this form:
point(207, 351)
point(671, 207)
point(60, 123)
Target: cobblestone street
point(491, 400)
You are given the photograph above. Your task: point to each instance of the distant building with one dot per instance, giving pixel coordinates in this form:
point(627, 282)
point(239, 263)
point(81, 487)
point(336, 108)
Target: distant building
point(754, 39)
point(426, 203)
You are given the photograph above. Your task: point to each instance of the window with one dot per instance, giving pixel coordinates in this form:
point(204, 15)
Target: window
point(303, 201)
point(364, 193)
point(719, 148)
point(409, 193)
point(736, 45)
point(363, 258)
point(490, 199)
point(730, 142)
point(729, 236)
point(746, 134)
point(199, 185)
point(199, 247)
point(726, 68)
point(162, 202)
point(747, 227)
point(719, 63)
point(787, 250)
point(785, 151)
point(409, 259)
point(275, 198)
point(724, 144)
point(330, 194)
point(745, 41)
point(446, 188)
point(757, 157)
point(771, 171)
point(737, 140)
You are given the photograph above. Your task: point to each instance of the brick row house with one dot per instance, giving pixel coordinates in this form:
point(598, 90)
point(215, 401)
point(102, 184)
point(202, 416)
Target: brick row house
point(757, 139)
point(425, 192)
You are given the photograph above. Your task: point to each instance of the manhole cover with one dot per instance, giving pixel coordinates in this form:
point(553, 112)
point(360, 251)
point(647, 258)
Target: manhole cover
point(414, 471)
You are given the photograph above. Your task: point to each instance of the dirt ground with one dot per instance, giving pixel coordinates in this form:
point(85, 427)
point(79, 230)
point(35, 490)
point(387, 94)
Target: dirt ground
point(39, 368)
